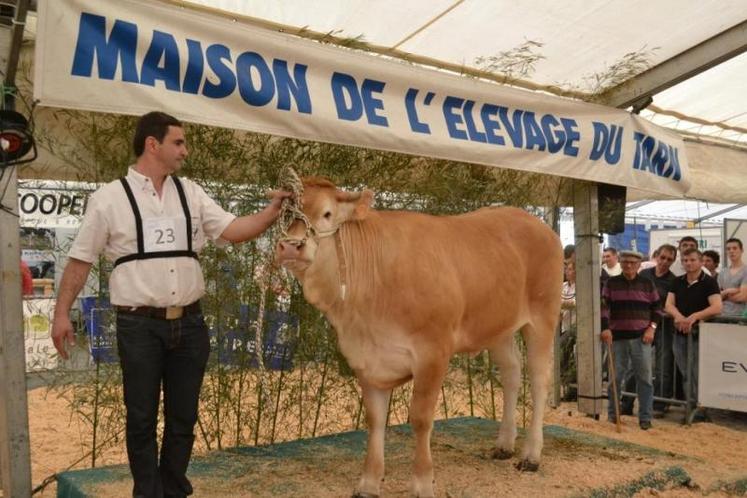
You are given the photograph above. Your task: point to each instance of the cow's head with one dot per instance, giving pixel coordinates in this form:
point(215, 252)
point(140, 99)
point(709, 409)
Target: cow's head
point(325, 209)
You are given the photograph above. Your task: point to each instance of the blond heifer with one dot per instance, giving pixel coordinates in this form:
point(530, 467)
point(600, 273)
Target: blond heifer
point(405, 291)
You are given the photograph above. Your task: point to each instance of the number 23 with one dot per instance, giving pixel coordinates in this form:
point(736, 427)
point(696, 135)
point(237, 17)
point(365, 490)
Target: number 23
point(167, 234)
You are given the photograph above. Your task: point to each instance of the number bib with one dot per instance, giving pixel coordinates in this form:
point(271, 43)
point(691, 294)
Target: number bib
point(164, 234)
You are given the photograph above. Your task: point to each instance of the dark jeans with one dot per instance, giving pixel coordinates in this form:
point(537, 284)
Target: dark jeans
point(664, 361)
point(153, 352)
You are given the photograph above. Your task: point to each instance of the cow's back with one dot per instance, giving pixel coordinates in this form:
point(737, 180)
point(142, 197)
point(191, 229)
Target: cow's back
point(473, 275)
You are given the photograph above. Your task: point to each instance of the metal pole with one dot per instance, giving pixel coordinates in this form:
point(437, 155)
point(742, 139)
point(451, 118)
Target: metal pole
point(586, 222)
point(15, 453)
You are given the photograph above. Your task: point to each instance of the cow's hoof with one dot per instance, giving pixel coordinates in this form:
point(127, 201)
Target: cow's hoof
point(359, 494)
point(527, 466)
point(502, 454)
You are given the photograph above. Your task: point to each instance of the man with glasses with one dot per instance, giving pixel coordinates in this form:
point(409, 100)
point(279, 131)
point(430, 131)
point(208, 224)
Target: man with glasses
point(630, 309)
point(662, 277)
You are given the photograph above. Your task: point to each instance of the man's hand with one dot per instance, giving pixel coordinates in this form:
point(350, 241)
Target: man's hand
point(685, 325)
point(62, 330)
point(277, 197)
point(606, 336)
point(648, 336)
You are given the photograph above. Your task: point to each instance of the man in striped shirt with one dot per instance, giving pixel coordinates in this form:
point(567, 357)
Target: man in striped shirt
point(630, 305)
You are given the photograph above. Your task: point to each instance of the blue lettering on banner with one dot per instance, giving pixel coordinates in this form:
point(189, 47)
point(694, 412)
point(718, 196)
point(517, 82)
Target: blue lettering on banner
point(453, 118)
point(347, 98)
point(195, 66)
point(412, 113)
point(163, 62)
point(656, 157)
point(351, 102)
point(607, 142)
point(216, 54)
point(252, 94)
point(522, 127)
point(533, 132)
point(162, 47)
point(491, 126)
point(120, 47)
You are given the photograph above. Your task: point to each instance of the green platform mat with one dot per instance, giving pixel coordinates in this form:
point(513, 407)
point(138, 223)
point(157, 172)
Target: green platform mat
point(574, 464)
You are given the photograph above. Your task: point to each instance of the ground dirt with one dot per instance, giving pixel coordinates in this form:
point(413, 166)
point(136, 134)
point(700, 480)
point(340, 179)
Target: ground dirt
point(712, 453)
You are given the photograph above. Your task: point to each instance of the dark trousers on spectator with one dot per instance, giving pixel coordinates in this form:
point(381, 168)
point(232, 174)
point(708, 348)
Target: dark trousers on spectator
point(680, 358)
point(153, 352)
point(664, 363)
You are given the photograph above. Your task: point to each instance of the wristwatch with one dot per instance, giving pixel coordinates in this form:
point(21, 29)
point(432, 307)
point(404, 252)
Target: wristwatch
point(652, 325)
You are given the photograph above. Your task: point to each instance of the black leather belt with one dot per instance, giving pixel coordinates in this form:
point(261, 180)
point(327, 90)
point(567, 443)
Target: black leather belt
point(167, 313)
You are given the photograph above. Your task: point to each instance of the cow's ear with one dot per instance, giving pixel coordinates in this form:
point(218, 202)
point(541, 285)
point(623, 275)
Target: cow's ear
point(363, 205)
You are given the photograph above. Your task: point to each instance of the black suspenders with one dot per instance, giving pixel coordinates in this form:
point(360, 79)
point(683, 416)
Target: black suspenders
point(141, 254)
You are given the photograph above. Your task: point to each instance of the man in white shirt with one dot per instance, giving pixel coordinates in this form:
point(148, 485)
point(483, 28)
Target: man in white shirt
point(610, 264)
point(152, 225)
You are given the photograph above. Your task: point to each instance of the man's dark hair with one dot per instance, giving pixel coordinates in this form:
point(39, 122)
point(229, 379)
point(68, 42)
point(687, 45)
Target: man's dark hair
point(154, 124)
point(569, 251)
point(736, 241)
point(713, 255)
point(668, 248)
point(688, 238)
point(690, 251)
point(610, 249)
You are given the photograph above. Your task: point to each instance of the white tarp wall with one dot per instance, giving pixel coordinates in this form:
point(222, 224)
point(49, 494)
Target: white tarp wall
point(134, 56)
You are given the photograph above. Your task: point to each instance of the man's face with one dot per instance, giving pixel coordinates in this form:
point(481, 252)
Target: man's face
point(630, 267)
point(664, 260)
point(691, 262)
point(687, 244)
point(709, 263)
point(733, 252)
point(609, 258)
point(173, 150)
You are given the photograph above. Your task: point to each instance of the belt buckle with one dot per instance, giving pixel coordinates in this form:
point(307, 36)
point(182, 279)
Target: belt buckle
point(174, 312)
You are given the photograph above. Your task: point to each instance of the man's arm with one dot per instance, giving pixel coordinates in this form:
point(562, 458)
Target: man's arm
point(251, 226)
point(671, 308)
point(73, 279)
point(714, 308)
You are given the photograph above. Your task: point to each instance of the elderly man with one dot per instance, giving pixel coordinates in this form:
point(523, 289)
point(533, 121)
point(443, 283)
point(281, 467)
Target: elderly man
point(630, 310)
point(693, 297)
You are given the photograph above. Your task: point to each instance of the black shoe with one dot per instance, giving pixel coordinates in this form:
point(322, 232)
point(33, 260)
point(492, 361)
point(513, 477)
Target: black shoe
point(644, 425)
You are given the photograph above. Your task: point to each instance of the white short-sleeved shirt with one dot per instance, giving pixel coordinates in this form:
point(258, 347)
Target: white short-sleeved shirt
point(109, 227)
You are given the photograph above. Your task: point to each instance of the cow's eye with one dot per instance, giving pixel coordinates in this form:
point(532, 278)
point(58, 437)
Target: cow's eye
point(328, 214)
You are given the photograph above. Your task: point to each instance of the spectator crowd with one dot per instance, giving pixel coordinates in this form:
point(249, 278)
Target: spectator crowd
point(650, 310)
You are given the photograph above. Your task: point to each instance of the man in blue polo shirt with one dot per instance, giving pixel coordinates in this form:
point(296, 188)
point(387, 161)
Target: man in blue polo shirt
point(692, 298)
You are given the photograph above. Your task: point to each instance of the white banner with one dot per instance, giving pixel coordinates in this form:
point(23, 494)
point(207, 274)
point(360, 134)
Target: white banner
point(722, 376)
point(134, 56)
point(48, 204)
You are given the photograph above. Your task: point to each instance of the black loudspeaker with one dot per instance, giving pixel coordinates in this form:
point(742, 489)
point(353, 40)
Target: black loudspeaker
point(15, 139)
point(611, 203)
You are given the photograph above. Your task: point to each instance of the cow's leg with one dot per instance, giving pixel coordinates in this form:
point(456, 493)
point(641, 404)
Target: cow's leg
point(377, 403)
point(427, 381)
point(538, 338)
point(506, 357)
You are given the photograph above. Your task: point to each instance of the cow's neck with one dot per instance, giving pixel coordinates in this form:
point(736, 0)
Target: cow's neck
point(321, 281)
